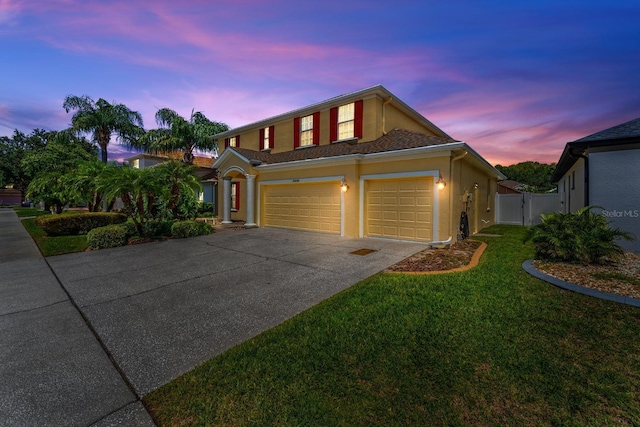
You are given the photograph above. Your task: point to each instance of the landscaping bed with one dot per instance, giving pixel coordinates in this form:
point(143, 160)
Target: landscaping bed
point(455, 256)
point(620, 278)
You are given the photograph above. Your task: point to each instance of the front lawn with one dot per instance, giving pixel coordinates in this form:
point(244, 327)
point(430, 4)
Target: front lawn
point(50, 246)
point(489, 346)
point(26, 212)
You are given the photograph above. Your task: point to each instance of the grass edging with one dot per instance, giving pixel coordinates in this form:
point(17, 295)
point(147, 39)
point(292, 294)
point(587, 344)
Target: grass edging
point(620, 299)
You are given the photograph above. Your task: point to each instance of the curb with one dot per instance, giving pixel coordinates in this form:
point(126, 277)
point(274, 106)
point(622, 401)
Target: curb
point(529, 268)
point(475, 259)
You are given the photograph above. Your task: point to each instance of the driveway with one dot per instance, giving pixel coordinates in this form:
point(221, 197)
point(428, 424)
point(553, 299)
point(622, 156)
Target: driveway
point(157, 310)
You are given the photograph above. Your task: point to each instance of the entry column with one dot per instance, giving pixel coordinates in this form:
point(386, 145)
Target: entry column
point(226, 200)
point(251, 179)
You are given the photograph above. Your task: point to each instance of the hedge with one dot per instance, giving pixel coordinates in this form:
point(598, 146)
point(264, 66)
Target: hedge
point(77, 223)
point(182, 229)
point(110, 236)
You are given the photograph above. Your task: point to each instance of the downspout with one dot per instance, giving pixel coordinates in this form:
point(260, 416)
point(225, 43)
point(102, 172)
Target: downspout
point(586, 175)
point(384, 132)
point(451, 192)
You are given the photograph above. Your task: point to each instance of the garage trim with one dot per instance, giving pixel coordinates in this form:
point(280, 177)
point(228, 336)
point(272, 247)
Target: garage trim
point(337, 179)
point(417, 174)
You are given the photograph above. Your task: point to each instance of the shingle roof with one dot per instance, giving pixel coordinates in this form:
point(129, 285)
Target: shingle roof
point(205, 162)
point(625, 130)
point(397, 139)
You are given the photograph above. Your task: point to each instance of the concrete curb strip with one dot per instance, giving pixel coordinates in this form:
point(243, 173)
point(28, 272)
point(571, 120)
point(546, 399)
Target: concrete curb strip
point(621, 299)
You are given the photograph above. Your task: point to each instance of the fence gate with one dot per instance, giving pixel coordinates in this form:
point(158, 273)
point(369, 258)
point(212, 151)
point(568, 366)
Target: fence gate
point(525, 208)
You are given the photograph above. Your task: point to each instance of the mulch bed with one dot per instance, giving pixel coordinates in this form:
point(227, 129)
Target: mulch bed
point(621, 278)
point(457, 255)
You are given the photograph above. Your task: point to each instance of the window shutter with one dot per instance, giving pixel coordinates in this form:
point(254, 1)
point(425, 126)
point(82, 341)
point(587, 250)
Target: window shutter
point(296, 132)
point(316, 128)
point(333, 126)
point(238, 141)
point(226, 143)
point(261, 139)
point(272, 136)
point(357, 122)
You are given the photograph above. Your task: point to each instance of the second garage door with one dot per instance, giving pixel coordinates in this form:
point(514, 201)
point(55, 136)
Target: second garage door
point(305, 206)
point(400, 208)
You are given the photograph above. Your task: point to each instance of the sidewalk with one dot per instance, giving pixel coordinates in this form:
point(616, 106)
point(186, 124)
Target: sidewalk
point(53, 369)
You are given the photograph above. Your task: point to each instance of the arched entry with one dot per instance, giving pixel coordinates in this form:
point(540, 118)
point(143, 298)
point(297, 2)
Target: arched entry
point(227, 194)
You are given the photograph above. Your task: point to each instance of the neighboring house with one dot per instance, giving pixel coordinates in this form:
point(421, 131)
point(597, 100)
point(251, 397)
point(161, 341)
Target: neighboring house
point(10, 196)
point(360, 164)
point(602, 170)
point(203, 169)
point(510, 186)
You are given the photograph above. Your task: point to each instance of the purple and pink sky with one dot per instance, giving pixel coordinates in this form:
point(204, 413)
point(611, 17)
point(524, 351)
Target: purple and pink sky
point(514, 79)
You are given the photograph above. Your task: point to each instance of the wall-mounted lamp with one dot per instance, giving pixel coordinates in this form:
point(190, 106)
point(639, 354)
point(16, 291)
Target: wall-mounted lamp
point(343, 186)
point(475, 185)
point(441, 183)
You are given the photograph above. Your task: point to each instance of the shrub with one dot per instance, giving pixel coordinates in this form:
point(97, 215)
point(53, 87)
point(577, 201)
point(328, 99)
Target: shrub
point(205, 208)
point(182, 229)
point(583, 237)
point(157, 227)
point(109, 236)
point(77, 223)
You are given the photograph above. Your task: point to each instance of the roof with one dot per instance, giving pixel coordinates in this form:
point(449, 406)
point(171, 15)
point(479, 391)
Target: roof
point(378, 90)
point(514, 185)
point(397, 139)
point(205, 162)
point(622, 134)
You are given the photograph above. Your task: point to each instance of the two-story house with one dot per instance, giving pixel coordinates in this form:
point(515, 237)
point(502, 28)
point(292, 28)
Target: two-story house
point(364, 164)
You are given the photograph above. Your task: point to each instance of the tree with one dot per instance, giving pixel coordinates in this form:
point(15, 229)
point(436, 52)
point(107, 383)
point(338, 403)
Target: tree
point(49, 165)
point(82, 183)
point(12, 151)
point(176, 133)
point(536, 176)
point(102, 120)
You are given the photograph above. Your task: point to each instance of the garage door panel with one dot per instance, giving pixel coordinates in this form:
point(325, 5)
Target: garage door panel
point(308, 206)
point(399, 208)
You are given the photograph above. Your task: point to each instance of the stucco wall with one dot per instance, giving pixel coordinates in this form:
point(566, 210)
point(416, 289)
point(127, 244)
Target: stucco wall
point(571, 188)
point(614, 184)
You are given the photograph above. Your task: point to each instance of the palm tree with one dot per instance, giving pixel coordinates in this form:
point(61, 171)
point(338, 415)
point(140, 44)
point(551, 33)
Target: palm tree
point(103, 119)
point(177, 133)
point(181, 180)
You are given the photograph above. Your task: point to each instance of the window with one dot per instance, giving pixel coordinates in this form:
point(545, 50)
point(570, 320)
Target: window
point(346, 121)
point(136, 164)
point(234, 141)
point(267, 136)
point(306, 131)
point(235, 196)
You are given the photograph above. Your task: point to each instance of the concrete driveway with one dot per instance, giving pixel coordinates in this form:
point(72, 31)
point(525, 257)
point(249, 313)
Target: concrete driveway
point(152, 312)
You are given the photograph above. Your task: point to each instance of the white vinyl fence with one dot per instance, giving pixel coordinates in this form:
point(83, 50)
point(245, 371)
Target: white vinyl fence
point(525, 208)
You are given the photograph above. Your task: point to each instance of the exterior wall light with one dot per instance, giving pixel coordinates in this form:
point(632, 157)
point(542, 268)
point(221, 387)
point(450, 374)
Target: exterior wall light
point(441, 183)
point(343, 186)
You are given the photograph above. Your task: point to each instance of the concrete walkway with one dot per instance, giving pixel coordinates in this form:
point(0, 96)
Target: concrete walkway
point(81, 346)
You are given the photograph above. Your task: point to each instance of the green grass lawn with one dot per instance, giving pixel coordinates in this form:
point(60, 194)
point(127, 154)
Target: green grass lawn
point(50, 246)
point(490, 346)
point(24, 212)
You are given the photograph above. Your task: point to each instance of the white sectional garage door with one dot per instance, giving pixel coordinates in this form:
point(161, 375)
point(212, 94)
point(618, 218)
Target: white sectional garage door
point(305, 206)
point(400, 208)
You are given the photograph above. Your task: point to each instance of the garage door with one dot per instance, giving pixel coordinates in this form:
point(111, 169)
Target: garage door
point(309, 207)
point(400, 208)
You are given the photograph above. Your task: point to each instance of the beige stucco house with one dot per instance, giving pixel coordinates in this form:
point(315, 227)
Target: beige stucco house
point(364, 164)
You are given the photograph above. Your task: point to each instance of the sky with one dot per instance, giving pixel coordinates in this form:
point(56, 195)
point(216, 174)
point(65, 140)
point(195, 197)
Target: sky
point(515, 79)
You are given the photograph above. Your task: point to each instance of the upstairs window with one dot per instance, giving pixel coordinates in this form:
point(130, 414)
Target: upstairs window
point(306, 130)
point(346, 121)
point(234, 141)
point(267, 138)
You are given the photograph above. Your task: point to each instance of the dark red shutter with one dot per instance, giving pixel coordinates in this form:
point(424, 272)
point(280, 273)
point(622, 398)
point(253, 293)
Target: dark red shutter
point(357, 122)
point(237, 206)
point(226, 143)
point(261, 139)
point(238, 141)
point(333, 125)
point(316, 128)
point(272, 136)
point(296, 132)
